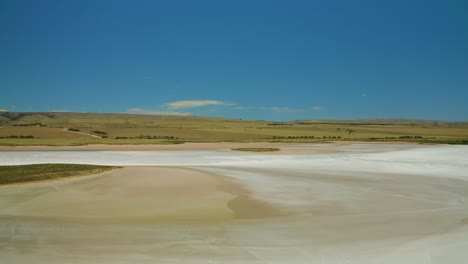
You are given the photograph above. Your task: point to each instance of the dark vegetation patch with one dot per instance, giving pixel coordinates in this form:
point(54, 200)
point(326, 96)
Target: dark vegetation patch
point(99, 132)
point(42, 172)
point(256, 149)
point(148, 137)
point(15, 136)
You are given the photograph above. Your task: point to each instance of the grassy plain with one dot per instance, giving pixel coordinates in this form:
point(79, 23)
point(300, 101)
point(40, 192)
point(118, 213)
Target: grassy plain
point(43, 172)
point(66, 129)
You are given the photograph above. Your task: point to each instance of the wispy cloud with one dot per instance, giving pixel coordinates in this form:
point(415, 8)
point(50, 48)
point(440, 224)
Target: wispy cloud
point(244, 108)
point(275, 109)
point(61, 111)
point(142, 111)
point(3, 110)
point(363, 95)
point(283, 109)
point(279, 109)
point(194, 103)
point(317, 108)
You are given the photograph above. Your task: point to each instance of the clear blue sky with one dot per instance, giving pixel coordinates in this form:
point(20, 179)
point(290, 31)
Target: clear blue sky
point(276, 60)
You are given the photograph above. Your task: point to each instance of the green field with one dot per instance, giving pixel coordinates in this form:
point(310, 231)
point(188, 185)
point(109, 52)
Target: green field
point(43, 172)
point(62, 129)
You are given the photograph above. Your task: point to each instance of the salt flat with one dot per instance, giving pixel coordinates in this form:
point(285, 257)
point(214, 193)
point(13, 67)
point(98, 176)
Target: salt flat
point(367, 203)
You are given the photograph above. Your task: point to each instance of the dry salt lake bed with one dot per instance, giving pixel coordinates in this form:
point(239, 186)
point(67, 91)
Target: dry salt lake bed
point(365, 203)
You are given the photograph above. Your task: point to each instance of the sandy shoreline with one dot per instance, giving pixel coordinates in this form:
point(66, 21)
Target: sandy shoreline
point(154, 147)
point(285, 148)
point(134, 195)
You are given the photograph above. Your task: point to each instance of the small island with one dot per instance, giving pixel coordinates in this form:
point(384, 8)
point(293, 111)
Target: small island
point(256, 149)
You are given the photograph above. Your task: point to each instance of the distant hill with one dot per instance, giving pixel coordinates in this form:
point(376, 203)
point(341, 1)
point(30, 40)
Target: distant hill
point(62, 128)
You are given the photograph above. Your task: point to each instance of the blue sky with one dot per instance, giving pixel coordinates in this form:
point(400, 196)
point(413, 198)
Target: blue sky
point(276, 60)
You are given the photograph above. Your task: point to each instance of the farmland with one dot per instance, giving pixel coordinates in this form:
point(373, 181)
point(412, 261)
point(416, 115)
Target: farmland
point(66, 129)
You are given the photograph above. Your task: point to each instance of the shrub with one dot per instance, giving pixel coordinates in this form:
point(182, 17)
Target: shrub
point(99, 132)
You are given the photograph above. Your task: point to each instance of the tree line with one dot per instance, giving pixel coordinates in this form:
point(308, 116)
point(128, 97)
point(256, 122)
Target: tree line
point(15, 136)
point(306, 137)
point(148, 137)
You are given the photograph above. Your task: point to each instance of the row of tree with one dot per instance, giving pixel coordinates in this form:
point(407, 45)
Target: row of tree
point(280, 124)
point(148, 137)
point(306, 137)
point(20, 136)
point(396, 138)
point(410, 137)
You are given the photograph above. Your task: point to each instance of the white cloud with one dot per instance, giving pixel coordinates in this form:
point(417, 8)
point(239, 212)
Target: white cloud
point(244, 108)
point(61, 111)
point(317, 108)
point(280, 109)
point(363, 95)
point(272, 109)
point(142, 111)
point(283, 109)
point(194, 103)
point(3, 110)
